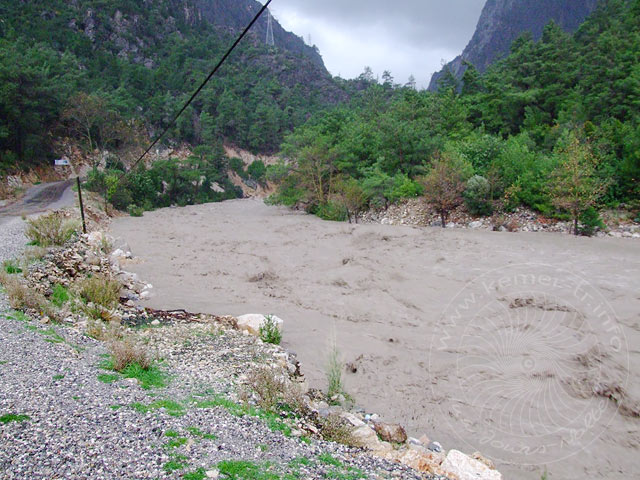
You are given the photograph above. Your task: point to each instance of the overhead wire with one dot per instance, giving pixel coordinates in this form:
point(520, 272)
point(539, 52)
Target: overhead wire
point(197, 92)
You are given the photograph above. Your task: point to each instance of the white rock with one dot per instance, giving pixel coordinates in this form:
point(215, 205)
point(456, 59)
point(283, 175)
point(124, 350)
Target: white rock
point(352, 419)
point(212, 473)
point(95, 239)
point(252, 322)
point(477, 224)
point(466, 468)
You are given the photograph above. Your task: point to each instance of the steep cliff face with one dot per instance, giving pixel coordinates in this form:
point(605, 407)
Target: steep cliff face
point(502, 21)
point(236, 14)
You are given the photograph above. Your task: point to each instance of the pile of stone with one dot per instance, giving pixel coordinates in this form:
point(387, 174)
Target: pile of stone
point(415, 212)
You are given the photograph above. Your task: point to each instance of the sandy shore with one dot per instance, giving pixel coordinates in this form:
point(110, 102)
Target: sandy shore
point(511, 344)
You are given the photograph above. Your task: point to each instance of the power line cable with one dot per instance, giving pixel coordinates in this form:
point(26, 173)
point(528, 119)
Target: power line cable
point(197, 92)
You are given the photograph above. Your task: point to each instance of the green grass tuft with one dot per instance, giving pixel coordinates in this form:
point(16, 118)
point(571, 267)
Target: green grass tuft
point(108, 378)
point(11, 417)
point(60, 296)
point(172, 408)
point(329, 459)
point(243, 470)
point(199, 474)
point(174, 465)
point(196, 432)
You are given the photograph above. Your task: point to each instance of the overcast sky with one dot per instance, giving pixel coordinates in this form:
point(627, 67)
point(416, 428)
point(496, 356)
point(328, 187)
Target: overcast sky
point(403, 36)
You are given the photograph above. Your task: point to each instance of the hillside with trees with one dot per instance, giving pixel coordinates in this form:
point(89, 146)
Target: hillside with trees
point(556, 118)
point(110, 74)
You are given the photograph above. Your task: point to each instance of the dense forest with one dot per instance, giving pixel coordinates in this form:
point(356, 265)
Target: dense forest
point(109, 72)
point(554, 126)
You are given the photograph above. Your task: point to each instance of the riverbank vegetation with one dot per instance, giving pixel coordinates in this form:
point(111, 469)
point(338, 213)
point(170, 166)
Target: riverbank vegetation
point(555, 126)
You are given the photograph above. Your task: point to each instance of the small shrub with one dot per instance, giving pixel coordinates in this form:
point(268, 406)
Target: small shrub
point(237, 165)
point(34, 254)
point(477, 196)
point(22, 297)
point(334, 429)
point(11, 267)
point(590, 222)
point(270, 332)
point(100, 290)
point(60, 296)
point(331, 211)
point(335, 386)
point(274, 391)
point(125, 353)
point(133, 361)
point(257, 170)
point(135, 211)
point(52, 229)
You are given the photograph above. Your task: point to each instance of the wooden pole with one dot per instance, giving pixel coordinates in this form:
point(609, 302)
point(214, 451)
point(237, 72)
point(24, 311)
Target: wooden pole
point(84, 225)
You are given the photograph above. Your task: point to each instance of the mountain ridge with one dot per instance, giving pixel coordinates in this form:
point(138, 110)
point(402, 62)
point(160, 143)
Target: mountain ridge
point(502, 21)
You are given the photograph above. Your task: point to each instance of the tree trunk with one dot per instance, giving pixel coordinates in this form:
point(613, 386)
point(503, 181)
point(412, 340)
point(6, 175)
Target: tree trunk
point(444, 219)
point(575, 226)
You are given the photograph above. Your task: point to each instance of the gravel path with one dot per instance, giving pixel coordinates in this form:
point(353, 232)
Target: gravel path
point(12, 243)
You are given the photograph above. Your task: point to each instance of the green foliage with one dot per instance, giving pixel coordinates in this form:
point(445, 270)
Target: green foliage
point(477, 196)
point(257, 170)
point(171, 407)
point(60, 296)
point(590, 221)
point(135, 211)
point(270, 331)
point(244, 470)
point(331, 211)
point(12, 417)
point(11, 267)
point(51, 229)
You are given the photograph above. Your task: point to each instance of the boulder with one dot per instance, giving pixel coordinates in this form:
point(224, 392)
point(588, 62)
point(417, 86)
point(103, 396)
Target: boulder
point(428, 462)
point(460, 466)
point(252, 322)
point(390, 432)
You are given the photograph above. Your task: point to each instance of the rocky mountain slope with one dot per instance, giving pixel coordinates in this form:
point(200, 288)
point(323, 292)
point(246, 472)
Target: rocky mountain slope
point(502, 21)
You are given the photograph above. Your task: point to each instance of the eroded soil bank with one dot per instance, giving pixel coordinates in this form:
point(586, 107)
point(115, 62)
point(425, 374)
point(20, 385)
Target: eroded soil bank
point(525, 346)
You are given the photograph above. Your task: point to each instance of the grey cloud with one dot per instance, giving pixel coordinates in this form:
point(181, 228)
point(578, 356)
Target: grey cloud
point(421, 22)
point(404, 36)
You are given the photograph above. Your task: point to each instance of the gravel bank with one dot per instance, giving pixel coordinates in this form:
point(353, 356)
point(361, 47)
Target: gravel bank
point(12, 243)
point(76, 426)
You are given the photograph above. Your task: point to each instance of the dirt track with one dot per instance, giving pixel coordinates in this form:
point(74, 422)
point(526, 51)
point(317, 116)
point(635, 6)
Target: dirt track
point(40, 198)
point(517, 345)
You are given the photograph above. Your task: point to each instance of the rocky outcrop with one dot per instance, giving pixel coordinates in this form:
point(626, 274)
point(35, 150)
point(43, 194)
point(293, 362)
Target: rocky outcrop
point(237, 14)
point(502, 21)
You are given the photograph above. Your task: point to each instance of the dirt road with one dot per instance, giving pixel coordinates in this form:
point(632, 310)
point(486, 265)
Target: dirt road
point(524, 346)
point(39, 198)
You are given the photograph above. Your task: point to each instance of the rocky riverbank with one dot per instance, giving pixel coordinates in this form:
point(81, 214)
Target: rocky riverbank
point(415, 212)
point(220, 401)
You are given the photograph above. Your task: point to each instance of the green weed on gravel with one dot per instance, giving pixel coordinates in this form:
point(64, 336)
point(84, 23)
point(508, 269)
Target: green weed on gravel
point(108, 378)
point(173, 466)
point(329, 459)
point(12, 417)
point(60, 296)
point(172, 408)
point(199, 474)
point(272, 420)
point(149, 377)
point(242, 470)
point(11, 267)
